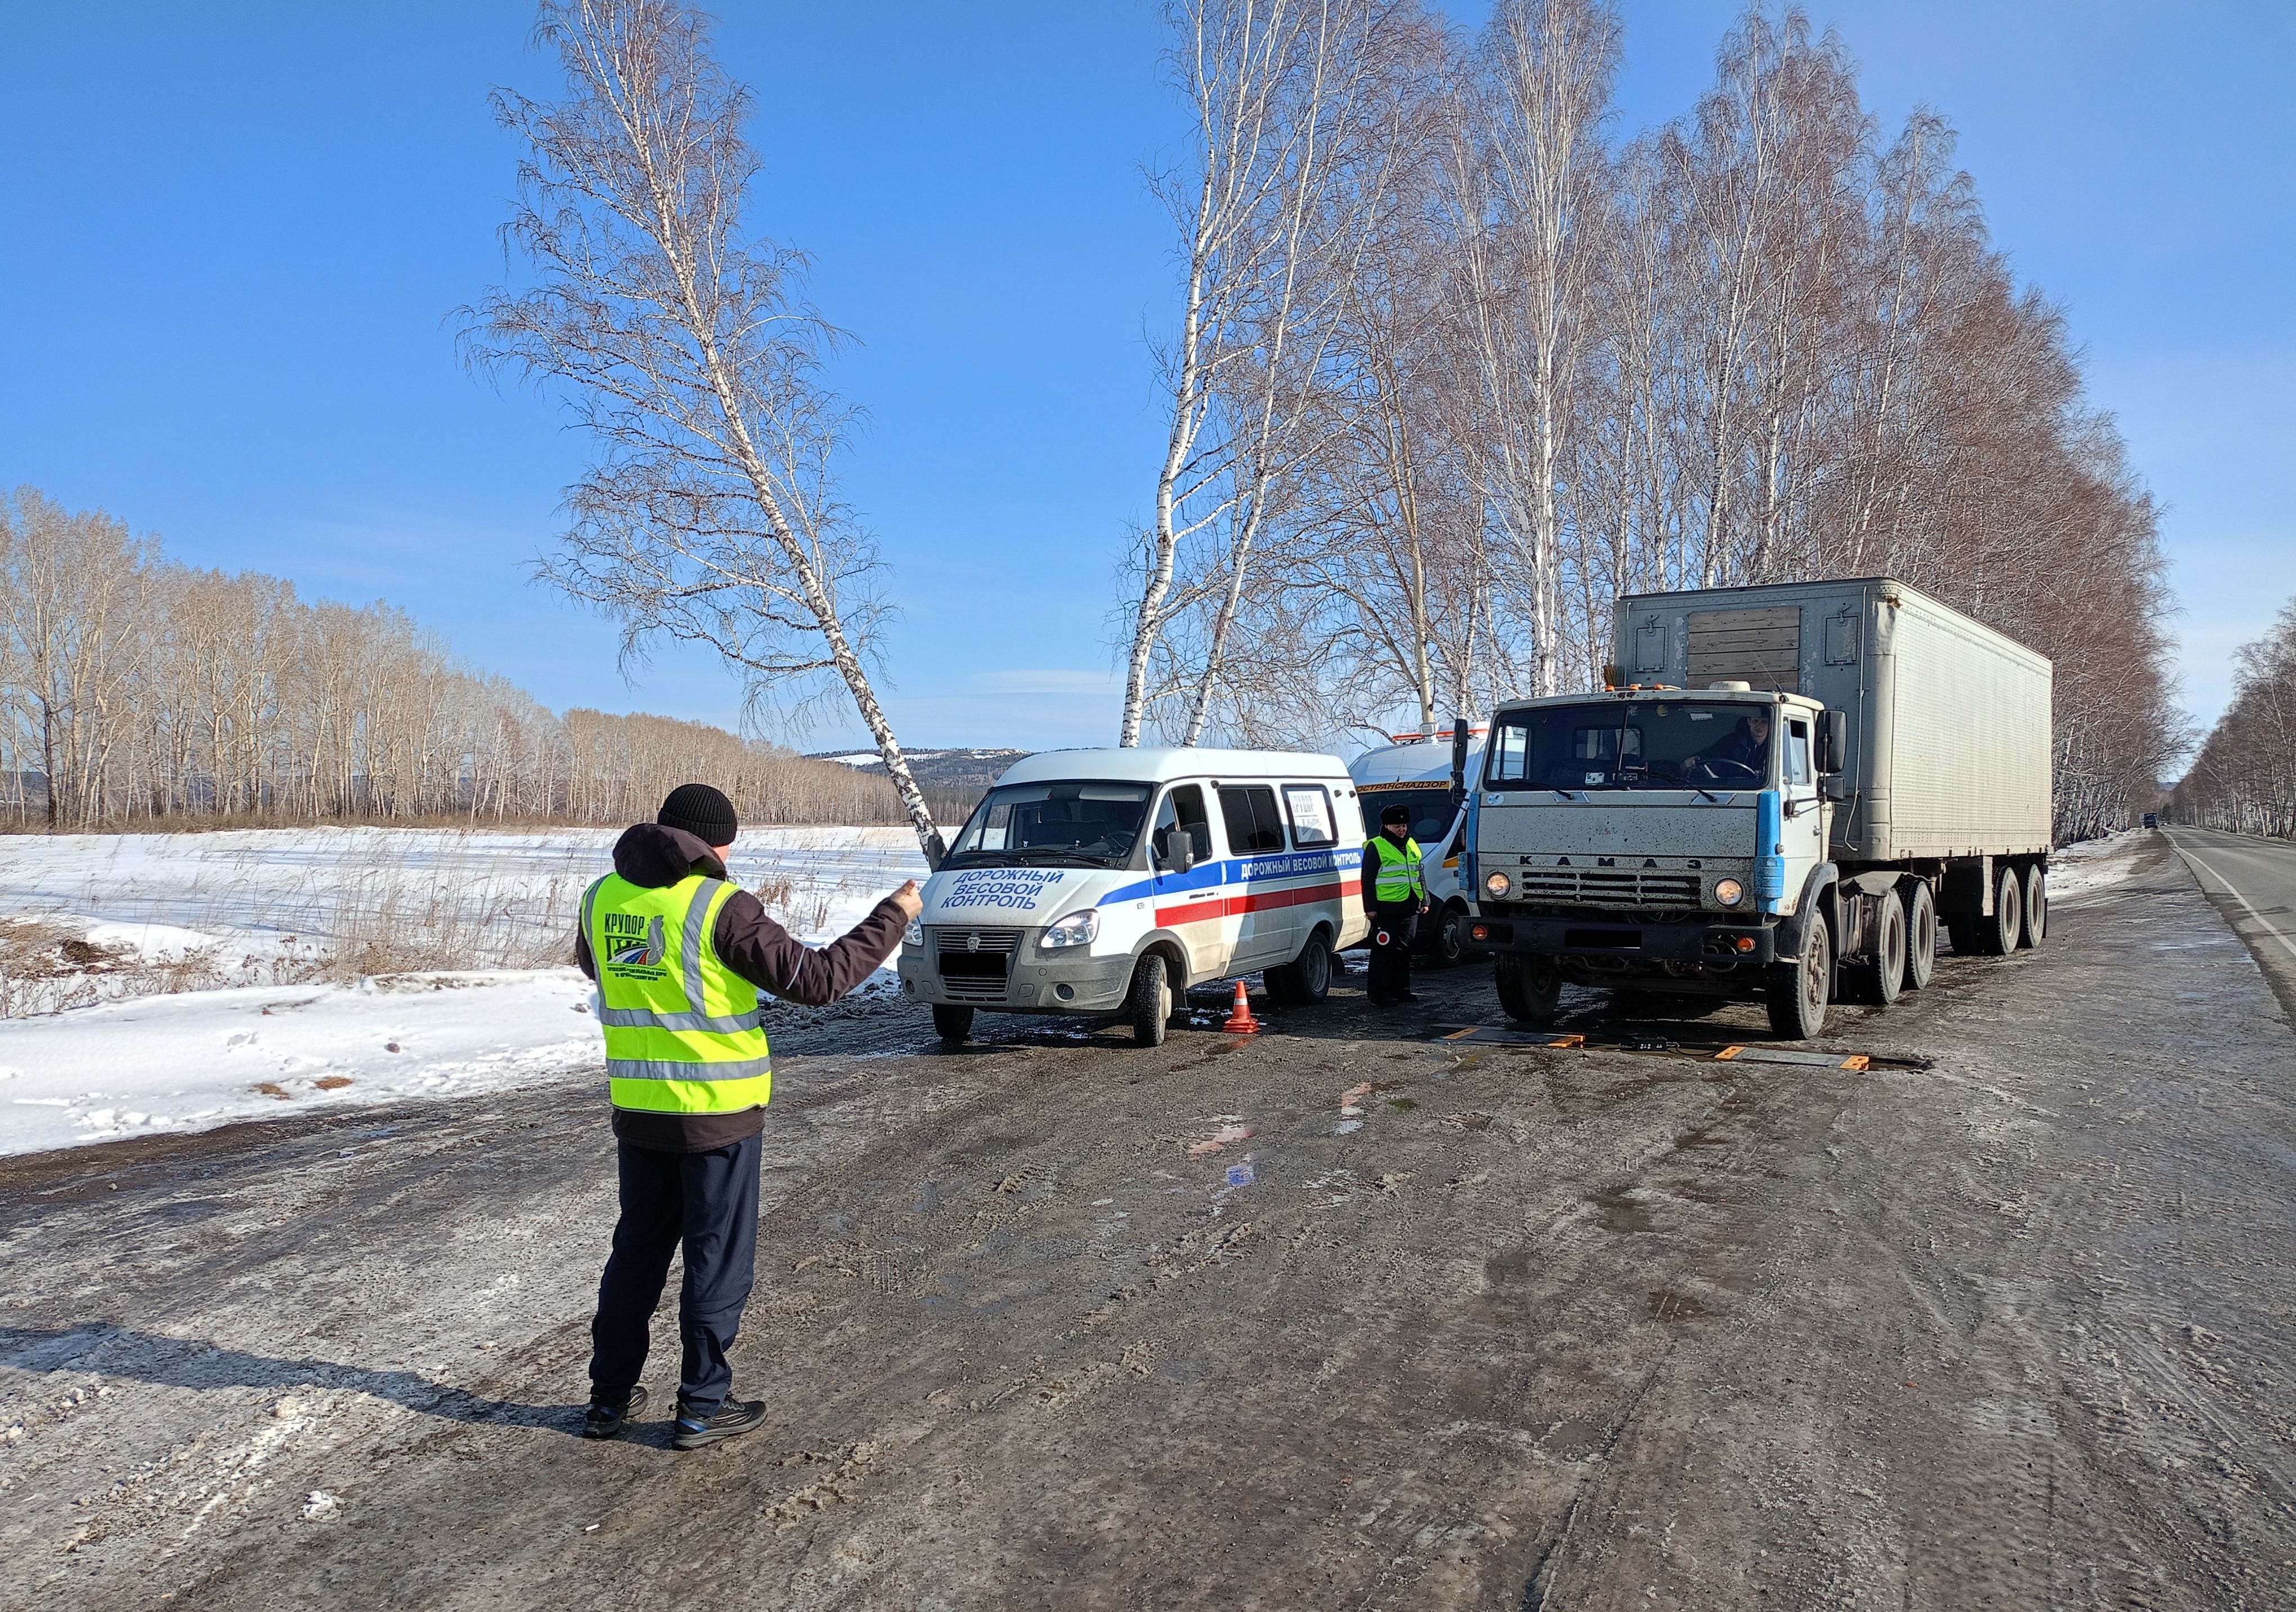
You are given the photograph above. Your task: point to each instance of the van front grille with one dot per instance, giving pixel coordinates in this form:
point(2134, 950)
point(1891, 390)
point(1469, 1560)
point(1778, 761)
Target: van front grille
point(975, 965)
point(1577, 887)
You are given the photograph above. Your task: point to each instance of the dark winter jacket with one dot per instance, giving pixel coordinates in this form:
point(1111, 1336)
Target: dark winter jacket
point(753, 946)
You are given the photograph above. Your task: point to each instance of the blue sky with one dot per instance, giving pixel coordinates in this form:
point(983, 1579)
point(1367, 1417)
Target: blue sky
point(231, 237)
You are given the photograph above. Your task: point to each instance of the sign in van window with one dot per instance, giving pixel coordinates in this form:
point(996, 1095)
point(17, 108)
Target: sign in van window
point(1252, 825)
point(1310, 806)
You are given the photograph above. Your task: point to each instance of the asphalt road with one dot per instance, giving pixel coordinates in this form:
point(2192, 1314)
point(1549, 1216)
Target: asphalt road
point(2253, 882)
point(1533, 1327)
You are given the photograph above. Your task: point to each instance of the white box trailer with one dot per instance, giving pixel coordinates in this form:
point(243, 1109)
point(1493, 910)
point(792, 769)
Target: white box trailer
point(1949, 751)
point(1783, 792)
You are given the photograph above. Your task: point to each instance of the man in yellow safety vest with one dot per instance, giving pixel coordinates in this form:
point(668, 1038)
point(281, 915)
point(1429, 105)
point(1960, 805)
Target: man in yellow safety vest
point(679, 953)
point(1394, 894)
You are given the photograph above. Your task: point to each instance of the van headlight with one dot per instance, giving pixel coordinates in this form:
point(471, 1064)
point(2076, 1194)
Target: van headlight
point(1077, 929)
point(915, 935)
point(1497, 885)
point(1729, 891)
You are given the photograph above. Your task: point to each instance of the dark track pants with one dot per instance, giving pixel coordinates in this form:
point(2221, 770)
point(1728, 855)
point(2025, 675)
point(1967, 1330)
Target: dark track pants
point(707, 1201)
point(1389, 978)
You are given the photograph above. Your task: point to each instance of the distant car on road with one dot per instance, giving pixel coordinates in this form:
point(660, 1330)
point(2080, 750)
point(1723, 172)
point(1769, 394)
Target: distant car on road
point(2151, 820)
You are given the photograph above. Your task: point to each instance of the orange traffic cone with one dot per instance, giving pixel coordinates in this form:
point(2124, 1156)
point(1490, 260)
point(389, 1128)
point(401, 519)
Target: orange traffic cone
point(1240, 1021)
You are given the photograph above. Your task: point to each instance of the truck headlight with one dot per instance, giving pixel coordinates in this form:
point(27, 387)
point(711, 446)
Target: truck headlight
point(914, 935)
point(1497, 885)
point(1077, 929)
point(1729, 891)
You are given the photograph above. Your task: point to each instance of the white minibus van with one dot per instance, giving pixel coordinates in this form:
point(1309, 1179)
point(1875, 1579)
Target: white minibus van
point(1107, 882)
point(1416, 771)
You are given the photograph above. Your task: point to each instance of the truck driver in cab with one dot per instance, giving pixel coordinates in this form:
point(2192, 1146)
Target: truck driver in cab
point(1746, 745)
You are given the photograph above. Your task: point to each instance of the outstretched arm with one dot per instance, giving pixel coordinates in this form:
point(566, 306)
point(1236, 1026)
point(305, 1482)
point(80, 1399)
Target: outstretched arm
point(772, 959)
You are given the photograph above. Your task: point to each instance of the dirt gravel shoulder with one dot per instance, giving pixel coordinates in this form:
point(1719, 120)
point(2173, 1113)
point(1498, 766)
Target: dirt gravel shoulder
point(1532, 1328)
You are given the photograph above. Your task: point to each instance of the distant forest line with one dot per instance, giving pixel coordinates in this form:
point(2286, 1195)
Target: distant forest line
point(136, 693)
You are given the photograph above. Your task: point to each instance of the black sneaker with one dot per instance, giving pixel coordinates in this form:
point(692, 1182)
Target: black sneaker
point(735, 1416)
point(604, 1421)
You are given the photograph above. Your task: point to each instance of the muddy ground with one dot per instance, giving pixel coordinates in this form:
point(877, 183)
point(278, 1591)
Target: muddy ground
point(1560, 1328)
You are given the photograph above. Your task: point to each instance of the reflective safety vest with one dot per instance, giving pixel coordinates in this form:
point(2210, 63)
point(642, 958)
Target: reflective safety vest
point(684, 1032)
point(1400, 882)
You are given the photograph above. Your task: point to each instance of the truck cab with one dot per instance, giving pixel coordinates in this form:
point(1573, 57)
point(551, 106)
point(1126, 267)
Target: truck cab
point(1800, 785)
point(1646, 837)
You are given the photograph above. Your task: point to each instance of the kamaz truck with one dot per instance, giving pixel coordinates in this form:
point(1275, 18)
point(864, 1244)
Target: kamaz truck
point(1779, 796)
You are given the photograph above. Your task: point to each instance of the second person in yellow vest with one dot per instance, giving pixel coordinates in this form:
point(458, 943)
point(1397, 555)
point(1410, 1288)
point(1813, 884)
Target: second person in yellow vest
point(1394, 894)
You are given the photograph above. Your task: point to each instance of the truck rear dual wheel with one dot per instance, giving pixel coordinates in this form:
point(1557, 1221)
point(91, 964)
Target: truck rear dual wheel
point(1530, 989)
point(1885, 977)
point(1920, 934)
point(2036, 905)
point(1799, 990)
point(1997, 936)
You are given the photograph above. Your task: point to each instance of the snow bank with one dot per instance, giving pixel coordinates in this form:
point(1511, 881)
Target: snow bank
point(252, 901)
point(207, 1058)
point(2093, 865)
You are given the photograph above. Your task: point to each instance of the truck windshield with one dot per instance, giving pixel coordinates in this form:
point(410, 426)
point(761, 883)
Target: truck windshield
point(1063, 825)
point(1431, 810)
point(1632, 744)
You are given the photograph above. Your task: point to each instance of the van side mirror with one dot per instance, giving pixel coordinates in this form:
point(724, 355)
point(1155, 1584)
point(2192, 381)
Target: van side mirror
point(1177, 852)
point(1832, 740)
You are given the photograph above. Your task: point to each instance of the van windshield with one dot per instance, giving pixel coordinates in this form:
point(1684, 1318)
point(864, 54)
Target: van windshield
point(1632, 744)
point(1430, 805)
point(1063, 824)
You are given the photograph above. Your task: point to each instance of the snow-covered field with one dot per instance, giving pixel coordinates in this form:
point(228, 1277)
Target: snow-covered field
point(229, 984)
point(245, 973)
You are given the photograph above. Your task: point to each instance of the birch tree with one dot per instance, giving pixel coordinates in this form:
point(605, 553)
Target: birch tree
point(1529, 198)
point(1294, 107)
point(681, 340)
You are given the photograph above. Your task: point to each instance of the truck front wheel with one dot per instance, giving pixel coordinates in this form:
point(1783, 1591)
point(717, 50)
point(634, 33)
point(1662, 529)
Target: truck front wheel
point(1530, 988)
point(954, 1025)
point(1799, 990)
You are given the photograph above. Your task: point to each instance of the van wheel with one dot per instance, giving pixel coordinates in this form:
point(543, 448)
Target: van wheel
point(1883, 979)
point(1997, 936)
point(1921, 935)
point(2036, 905)
point(1150, 1009)
point(1799, 990)
point(1450, 947)
point(1530, 989)
point(1307, 979)
point(954, 1025)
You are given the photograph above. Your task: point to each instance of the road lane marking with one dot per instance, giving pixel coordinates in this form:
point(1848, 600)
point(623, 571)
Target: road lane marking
point(2264, 922)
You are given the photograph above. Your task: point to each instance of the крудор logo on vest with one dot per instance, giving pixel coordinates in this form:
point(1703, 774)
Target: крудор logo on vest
point(633, 943)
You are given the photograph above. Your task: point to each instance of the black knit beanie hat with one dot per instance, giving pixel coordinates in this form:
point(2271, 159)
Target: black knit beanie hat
point(702, 811)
